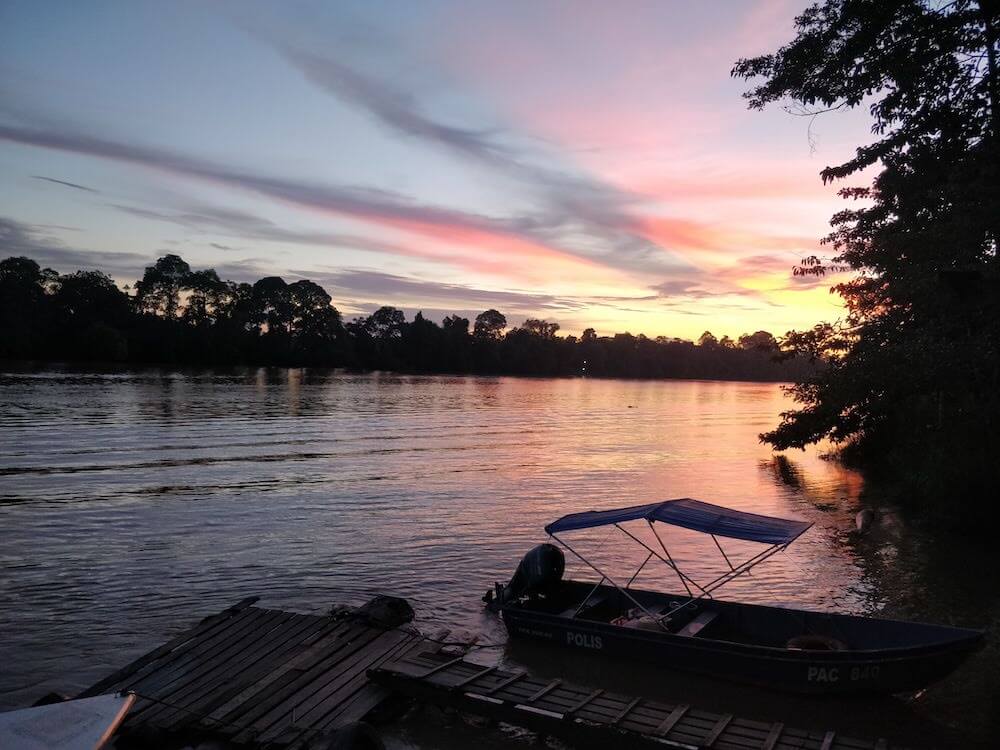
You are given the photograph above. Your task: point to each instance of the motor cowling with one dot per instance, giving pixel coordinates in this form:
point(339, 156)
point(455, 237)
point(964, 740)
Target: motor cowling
point(539, 571)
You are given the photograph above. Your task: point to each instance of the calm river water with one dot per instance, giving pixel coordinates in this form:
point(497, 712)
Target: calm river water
point(133, 503)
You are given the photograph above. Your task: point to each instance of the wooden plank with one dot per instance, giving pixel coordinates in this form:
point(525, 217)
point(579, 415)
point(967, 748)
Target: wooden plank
point(576, 733)
point(151, 679)
point(850, 743)
point(251, 660)
point(574, 694)
point(364, 698)
point(583, 702)
point(333, 622)
point(292, 680)
point(246, 668)
point(718, 729)
point(506, 683)
point(145, 681)
point(355, 708)
point(567, 696)
point(152, 675)
point(178, 679)
point(310, 655)
point(773, 736)
point(419, 645)
point(544, 707)
point(671, 721)
point(163, 684)
point(206, 625)
point(625, 711)
point(539, 693)
point(644, 717)
point(652, 714)
point(322, 695)
point(742, 733)
point(442, 666)
point(272, 705)
point(473, 677)
point(602, 709)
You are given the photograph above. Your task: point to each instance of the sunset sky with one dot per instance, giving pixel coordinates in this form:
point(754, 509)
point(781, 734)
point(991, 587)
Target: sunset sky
point(592, 163)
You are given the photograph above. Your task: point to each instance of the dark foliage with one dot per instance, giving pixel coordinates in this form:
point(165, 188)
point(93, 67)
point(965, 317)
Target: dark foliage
point(912, 385)
point(180, 316)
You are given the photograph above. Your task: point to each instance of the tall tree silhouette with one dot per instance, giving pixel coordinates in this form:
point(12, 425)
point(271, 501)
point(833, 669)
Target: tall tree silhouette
point(159, 289)
point(23, 308)
point(490, 325)
point(913, 380)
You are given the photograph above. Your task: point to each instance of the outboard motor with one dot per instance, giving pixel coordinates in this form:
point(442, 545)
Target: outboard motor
point(539, 570)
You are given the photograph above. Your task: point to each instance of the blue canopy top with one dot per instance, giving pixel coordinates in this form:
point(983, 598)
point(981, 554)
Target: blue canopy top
point(695, 515)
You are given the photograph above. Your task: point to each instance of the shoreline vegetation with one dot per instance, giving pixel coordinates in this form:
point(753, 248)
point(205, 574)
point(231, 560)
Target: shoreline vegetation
point(178, 316)
point(911, 379)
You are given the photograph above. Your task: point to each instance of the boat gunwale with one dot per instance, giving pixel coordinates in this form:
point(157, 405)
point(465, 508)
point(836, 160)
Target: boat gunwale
point(967, 637)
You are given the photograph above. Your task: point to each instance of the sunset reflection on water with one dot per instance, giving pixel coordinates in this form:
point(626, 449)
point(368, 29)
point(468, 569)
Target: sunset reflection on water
point(132, 504)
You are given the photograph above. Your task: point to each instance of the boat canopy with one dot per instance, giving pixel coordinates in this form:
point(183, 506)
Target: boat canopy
point(695, 515)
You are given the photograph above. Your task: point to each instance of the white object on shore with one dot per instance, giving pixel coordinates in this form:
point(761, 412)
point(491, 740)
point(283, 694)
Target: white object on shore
point(83, 724)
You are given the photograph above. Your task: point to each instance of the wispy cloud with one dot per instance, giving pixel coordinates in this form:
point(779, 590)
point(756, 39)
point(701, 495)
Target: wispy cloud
point(515, 237)
point(366, 289)
point(377, 285)
point(395, 109)
point(235, 223)
point(65, 183)
point(683, 289)
point(608, 222)
point(572, 202)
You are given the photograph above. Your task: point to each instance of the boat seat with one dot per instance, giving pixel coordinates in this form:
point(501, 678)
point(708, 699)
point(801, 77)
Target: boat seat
point(698, 623)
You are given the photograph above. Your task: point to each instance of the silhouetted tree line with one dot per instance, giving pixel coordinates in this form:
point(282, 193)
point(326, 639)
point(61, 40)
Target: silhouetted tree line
point(912, 386)
point(176, 315)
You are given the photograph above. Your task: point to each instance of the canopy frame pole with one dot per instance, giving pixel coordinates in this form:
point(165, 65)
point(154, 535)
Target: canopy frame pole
point(744, 567)
point(587, 597)
point(728, 576)
point(680, 574)
point(669, 563)
point(654, 553)
point(722, 551)
point(639, 569)
point(610, 580)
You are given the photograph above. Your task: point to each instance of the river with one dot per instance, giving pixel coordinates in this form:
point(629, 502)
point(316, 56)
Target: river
point(132, 503)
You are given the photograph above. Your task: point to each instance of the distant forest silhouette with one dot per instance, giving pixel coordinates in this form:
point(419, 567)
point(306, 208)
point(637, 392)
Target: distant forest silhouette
point(175, 315)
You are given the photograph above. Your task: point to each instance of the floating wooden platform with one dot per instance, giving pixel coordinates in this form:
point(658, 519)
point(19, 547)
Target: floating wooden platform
point(588, 717)
point(258, 676)
point(268, 678)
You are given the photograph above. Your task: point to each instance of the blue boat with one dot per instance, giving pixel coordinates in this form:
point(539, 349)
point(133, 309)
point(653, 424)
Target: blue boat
point(777, 647)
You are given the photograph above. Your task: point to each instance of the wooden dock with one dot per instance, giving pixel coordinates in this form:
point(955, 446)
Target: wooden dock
point(592, 717)
point(260, 677)
point(266, 678)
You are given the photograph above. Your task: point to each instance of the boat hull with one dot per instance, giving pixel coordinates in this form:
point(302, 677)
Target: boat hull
point(884, 670)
